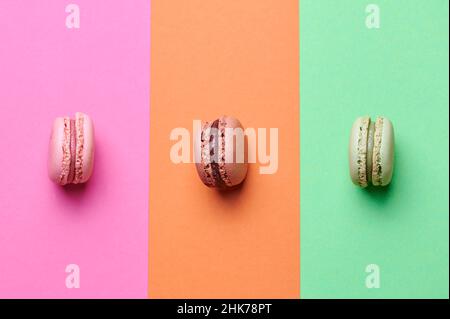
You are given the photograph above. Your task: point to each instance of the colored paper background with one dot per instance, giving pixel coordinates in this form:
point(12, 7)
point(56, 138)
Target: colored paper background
point(47, 70)
point(400, 71)
point(211, 58)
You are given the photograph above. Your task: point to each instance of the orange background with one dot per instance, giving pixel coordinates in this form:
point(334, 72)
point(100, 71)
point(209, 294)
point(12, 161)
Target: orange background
point(238, 58)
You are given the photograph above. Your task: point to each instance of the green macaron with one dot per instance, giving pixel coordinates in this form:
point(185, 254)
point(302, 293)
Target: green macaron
point(371, 151)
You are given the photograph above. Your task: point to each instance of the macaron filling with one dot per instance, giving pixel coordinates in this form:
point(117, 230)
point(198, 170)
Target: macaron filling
point(73, 143)
point(214, 154)
point(376, 169)
point(79, 148)
point(207, 168)
point(66, 157)
point(370, 138)
point(362, 151)
point(221, 147)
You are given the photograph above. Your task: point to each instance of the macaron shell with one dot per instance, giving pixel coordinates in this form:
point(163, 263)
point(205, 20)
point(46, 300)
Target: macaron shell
point(384, 153)
point(87, 150)
point(370, 140)
point(200, 166)
point(358, 151)
point(236, 172)
point(56, 164)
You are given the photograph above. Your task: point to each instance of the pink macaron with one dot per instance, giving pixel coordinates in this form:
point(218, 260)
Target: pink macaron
point(71, 150)
point(220, 153)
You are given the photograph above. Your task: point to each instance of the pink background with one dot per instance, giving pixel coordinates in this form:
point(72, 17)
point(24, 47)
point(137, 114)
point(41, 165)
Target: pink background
point(47, 70)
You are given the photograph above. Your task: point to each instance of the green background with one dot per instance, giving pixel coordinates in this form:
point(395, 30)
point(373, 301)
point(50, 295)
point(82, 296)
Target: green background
point(399, 71)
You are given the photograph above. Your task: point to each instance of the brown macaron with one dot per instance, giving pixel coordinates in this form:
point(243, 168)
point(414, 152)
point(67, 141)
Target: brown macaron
point(220, 153)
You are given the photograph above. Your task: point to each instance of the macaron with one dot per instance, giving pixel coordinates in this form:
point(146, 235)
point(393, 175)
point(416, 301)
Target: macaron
point(220, 153)
point(371, 151)
point(71, 150)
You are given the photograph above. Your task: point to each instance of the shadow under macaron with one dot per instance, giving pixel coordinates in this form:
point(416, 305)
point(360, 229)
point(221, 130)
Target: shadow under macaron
point(73, 197)
point(232, 197)
point(382, 196)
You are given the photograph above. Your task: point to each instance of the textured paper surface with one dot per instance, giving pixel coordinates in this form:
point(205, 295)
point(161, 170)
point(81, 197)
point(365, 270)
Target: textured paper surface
point(211, 58)
point(47, 70)
point(401, 71)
